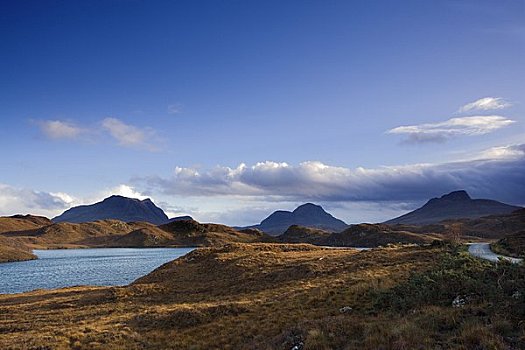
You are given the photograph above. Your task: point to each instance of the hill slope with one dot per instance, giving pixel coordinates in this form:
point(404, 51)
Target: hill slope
point(11, 250)
point(512, 245)
point(361, 235)
point(22, 223)
point(374, 235)
point(492, 226)
point(116, 208)
point(308, 215)
point(301, 234)
point(193, 233)
point(116, 233)
point(455, 205)
point(102, 233)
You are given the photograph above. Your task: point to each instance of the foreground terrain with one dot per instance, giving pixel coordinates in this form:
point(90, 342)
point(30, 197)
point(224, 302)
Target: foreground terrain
point(282, 296)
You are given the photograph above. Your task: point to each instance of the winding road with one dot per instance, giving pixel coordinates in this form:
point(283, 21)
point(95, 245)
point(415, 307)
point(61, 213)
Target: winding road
point(482, 251)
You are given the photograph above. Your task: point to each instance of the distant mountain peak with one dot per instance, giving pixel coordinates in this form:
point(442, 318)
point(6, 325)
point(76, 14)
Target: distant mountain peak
point(454, 205)
point(460, 195)
point(115, 207)
point(308, 215)
point(115, 197)
point(118, 197)
point(309, 207)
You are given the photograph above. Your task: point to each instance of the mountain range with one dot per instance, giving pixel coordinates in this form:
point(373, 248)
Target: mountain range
point(135, 210)
point(21, 233)
point(455, 205)
point(452, 206)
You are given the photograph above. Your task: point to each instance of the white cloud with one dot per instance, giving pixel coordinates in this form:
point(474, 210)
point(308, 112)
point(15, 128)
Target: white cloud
point(119, 190)
point(15, 200)
point(126, 135)
point(246, 194)
point(123, 190)
point(129, 135)
point(485, 104)
point(56, 129)
point(66, 198)
point(464, 126)
point(502, 152)
point(493, 174)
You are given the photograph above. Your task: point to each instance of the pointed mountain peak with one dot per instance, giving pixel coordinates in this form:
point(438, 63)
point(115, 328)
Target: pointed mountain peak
point(461, 195)
point(113, 196)
point(308, 208)
point(307, 215)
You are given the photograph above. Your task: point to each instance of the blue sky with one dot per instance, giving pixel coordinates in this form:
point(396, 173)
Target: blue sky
point(227, 110)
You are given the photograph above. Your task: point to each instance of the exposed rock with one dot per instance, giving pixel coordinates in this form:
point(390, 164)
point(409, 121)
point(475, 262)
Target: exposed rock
point(459, 301)
point(345, 310)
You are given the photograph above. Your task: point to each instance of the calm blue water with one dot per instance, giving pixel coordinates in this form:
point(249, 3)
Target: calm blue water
point(72, 267)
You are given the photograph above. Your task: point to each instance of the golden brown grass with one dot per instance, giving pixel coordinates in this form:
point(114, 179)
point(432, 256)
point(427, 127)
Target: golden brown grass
point(11, 250)
point(115, 233)
point(276, 296)
point(227, 297)
point(302, 234)
point(22, 223)
point(374, 235)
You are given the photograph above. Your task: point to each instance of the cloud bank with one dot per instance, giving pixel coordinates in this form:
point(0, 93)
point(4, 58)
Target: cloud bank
point(442, 131)
point(485, 104)
point(24, 201)
point(497, 173)
point(245, 194)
